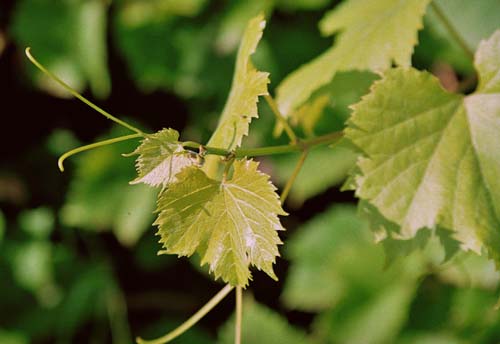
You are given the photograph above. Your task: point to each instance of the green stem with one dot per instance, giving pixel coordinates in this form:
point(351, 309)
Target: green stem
point(239, 314)
point(191, 321)
point(78, 95)
point(453, 32)
point(295, 173)
point(274, 107)
point(92, 146)
point(271, 150)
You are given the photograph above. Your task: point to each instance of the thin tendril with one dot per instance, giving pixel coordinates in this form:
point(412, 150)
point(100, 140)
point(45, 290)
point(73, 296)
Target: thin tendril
point(78, 95)
point(92, 146)
point(191, 321)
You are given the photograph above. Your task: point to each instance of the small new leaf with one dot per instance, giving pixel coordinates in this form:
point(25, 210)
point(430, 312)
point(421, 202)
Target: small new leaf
point(231, 224)
point(432, 157)
point(248, 85)
point(161, 157)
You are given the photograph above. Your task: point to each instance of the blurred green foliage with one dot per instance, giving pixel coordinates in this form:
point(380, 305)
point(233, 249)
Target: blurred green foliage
point(59, 283)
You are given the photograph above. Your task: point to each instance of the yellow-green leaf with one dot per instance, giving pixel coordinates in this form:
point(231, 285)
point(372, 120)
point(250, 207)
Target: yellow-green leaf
point(374, 34)
point(231, 224)
point(248, 85)
point(432, 157)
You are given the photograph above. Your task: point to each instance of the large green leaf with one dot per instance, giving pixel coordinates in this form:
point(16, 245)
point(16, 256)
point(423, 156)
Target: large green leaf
point(161, 157)
point(374, 34)
point(232, 224)
point(432, 157)
point(248, 85)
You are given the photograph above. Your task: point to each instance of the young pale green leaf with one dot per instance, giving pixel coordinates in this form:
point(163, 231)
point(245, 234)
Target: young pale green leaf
point(231, 224)
point(161, 157)
point(432, 157)
point(248, 85)
point(373, 35)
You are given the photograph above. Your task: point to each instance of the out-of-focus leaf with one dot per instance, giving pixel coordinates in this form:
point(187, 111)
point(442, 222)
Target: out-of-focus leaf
point(233, 23)
point(302, 4)
point(378, 321)
point(38, 222)
point(100, 197)
point(138, 12)
point(335, 262)
point(134, 215)
point(32, 267)
point(13, 337)
point(61, 141)
point(85, 300)
point(180, 55)
point(329, 107)
point(432, 338)
point(315, 281)
point(91, 37)
point(324, 167)
point(435, 46)
point(69, 37)
point(262, 325)
point(469, 269)
point(473, 21)
point(310, 113)
point(386, 233)
point(366, 28)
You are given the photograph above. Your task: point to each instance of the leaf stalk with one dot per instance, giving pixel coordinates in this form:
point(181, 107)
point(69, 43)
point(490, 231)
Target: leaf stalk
point(239, 315)
point(299, 146)
point(281, 119)
point(295, 173)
